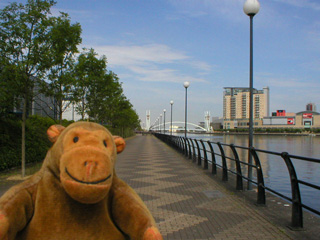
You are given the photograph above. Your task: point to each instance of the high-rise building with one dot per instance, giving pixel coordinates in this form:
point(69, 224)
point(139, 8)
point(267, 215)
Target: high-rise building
point(311, 107)
point(236, 105)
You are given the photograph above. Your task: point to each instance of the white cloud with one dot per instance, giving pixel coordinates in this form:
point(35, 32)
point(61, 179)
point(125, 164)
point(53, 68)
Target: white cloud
point(136, 55)
point(162, 75)
point(150, 62)
point(201, 66)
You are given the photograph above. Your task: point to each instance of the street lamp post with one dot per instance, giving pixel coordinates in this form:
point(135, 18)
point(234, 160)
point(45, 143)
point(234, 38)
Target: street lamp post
point(171, 103)
point(160, 122)
point(164, 121)
point(186, 85)
point(251, 8)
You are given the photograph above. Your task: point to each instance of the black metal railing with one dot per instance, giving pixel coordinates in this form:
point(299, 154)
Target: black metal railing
point(198, 151)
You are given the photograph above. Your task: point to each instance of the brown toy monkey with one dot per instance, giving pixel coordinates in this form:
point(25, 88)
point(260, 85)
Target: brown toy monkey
point(76, 194)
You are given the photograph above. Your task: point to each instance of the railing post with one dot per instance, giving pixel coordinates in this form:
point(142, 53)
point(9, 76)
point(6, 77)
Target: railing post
point(224, 163)
point(177, 142)
point(297, 214)
point(238, 166)
point(185, 147)
point(193, 152)
point(173, 141)
point(261, 190)
point(199, 153)
point(213, 159)
point(205, 161)
point(189, 148)
point(180, 145)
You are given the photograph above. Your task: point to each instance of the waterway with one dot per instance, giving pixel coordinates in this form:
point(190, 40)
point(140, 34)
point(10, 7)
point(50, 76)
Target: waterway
point(274, 168)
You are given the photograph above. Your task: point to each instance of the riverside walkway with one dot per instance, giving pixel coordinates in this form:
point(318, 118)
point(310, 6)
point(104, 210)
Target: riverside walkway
point(189, 203)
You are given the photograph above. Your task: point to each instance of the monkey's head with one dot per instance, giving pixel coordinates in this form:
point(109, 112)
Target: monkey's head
point(84, 155)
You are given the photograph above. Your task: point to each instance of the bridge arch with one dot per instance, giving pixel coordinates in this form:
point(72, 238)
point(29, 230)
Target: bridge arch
point(178, 125)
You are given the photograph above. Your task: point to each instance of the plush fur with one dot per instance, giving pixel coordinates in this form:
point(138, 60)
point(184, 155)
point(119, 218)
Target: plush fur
point(76, 194)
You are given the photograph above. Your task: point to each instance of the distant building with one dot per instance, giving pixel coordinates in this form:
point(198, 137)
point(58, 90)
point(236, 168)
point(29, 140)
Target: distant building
point(41, 105)
point(236, 112)
point(236, 106)
point(281, 113)
point(310, 107)
point(304, 119)
point(308, 119)
point(217, 123)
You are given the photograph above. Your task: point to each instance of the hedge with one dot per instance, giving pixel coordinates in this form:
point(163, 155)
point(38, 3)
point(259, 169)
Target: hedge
point(37, 143)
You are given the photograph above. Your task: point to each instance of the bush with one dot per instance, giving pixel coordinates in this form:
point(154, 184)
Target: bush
point(10, 139)
point(123, 132)
point(315, 130)
point(37, 143)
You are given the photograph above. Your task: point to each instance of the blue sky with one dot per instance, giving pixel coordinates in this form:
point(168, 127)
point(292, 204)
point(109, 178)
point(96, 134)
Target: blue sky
point(156, 45)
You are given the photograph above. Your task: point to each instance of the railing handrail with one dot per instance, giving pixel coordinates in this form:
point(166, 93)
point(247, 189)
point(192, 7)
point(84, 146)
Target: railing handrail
point(194, 152)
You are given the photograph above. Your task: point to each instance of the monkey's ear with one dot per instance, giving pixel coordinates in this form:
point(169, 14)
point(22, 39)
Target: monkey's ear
point(54, 131)
point(120, 143)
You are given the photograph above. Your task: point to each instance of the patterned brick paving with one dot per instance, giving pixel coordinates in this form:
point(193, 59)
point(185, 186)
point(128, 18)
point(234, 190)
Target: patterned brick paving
point(186, 202)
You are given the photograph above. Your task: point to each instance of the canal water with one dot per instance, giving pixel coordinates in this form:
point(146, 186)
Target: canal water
point(274, 168)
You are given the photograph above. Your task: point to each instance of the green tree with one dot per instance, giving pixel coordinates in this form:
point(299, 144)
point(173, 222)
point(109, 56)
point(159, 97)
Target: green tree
point(112, 92)
point(125, 116)
point(117, 111)
point(7, 90)
point(65, 38)
point(100, 93)
point(26, 47)
point(90, 80)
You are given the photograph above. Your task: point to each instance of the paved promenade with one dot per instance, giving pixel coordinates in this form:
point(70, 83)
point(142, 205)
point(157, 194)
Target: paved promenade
point(188, 203)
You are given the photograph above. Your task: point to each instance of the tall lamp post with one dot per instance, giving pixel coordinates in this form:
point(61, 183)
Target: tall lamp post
point(164, 121)
point(160, 122)
point(251, 8)
point(171, 103)
point(186, 85)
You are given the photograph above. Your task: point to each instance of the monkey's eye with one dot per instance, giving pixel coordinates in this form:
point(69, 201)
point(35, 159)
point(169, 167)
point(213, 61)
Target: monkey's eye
point(105, 143)
point(75, 139)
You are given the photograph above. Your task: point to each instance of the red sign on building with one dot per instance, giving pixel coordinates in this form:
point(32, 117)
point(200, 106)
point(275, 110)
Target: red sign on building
point(281, 113)
point(290, 121)
point(307, 115)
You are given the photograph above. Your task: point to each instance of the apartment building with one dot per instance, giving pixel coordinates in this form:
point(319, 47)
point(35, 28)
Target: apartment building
point(236, 106)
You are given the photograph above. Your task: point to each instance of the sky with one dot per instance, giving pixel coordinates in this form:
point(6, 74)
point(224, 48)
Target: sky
point(154, 46)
